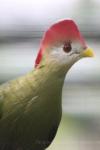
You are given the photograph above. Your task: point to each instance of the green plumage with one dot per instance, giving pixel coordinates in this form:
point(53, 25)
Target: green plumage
point(30, 110)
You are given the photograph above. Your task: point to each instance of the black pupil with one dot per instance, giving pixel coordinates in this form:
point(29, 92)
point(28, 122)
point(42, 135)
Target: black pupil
point(67, 47)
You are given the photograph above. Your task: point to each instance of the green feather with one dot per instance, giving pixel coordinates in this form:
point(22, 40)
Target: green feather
point(30, 109)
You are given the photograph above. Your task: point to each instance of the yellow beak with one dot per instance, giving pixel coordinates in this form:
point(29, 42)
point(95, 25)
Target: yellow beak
point(88, 53)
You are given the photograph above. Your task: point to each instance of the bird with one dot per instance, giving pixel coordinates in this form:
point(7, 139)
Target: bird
point(31, 105)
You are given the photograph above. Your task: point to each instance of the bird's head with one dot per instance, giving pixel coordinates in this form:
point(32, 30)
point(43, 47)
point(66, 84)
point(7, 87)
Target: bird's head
point(62, 45)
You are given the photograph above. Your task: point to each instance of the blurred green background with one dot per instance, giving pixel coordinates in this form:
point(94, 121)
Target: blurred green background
point(22, 23)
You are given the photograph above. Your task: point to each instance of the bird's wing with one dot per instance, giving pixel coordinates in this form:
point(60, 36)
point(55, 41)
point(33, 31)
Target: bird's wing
point(13, 95)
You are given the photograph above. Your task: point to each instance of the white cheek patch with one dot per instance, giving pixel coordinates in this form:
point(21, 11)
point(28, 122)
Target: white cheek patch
point(59, 55)
point(58, 51)
point(76, 47)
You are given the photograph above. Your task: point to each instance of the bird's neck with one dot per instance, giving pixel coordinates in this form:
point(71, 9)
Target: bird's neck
point(49, 82)
point(46, 83)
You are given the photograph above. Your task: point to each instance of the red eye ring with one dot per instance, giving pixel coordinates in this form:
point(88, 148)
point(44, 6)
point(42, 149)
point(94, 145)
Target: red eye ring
point(67, 47)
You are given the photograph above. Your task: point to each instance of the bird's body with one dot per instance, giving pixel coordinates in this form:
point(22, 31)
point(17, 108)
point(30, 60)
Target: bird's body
point(20, 118)
point(30, 106)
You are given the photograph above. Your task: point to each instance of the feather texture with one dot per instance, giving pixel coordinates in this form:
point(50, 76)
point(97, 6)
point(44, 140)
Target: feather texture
point(27, 121)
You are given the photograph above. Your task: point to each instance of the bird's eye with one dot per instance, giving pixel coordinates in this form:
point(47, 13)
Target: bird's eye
point(67, 47)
